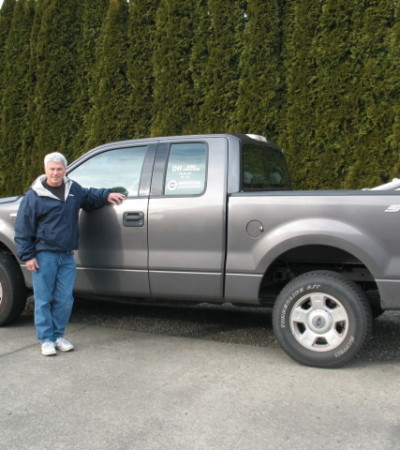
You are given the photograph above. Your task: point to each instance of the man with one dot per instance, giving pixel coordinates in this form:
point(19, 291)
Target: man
point(46, 234)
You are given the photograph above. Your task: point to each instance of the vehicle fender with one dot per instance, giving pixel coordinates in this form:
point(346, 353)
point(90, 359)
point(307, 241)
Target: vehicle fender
point(7, 235)
point(363, 246)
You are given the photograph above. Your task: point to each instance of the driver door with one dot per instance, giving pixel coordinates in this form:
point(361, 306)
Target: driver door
point(113, 250)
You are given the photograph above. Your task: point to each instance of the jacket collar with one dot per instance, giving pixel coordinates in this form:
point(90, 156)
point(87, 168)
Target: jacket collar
point(41, 191)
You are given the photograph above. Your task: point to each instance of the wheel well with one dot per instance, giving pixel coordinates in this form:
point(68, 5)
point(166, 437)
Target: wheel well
point(315, 257)
point(5, 249)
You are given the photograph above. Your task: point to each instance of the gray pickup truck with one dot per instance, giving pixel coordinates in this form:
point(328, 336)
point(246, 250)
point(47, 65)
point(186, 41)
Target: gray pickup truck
point(213, 218)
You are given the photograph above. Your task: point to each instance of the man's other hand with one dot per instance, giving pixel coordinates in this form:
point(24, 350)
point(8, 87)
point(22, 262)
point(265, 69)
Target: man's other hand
point(32, 265)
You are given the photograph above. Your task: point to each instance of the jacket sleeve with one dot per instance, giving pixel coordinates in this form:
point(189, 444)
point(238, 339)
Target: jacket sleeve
point(94, 198)
point(25, 228)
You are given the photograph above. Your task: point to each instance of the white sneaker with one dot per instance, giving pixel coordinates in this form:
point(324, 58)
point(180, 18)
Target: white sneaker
point(63, 345)
point(48, 349)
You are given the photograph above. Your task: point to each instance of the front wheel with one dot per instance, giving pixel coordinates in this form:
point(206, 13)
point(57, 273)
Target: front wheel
point(322, 319)
point(12, 290)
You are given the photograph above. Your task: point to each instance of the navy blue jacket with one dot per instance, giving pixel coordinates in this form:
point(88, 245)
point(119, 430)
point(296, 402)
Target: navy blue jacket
point(45, 223)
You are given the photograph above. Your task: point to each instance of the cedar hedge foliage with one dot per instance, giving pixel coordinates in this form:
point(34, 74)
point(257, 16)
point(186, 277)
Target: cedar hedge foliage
point(319, 77)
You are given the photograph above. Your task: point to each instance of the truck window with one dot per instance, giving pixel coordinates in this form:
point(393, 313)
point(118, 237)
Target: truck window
point(118, 169)
point(263, 169)
point(186, 170)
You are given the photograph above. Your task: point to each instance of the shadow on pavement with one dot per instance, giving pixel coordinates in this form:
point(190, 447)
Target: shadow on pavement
point(221, 323)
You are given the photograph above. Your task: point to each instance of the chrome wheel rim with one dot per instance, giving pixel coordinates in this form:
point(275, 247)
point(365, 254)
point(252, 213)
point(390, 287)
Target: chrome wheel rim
point(319, 322)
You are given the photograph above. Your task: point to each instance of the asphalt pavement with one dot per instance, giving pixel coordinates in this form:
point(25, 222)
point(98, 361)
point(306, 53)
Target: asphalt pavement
point(126, 389)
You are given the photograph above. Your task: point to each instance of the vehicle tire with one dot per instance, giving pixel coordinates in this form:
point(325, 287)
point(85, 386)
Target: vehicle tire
point(12, 290)
point(374, 301)
point(322, 319)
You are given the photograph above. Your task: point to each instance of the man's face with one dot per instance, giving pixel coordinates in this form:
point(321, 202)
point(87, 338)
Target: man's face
point(55, 173)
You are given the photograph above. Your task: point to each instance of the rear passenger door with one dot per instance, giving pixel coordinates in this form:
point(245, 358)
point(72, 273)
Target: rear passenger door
point(186, 219)
point(113, 251)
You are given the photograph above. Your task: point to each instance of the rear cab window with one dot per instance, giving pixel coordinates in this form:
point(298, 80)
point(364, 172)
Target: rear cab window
point(263, 168)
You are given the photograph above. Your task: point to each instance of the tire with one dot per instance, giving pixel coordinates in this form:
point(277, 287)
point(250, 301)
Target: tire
point(12, 290)
point(322, 319)
point(374, 301)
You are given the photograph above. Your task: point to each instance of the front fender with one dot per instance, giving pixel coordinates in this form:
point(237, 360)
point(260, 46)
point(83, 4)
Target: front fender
point(7, 236)
point(8, 214)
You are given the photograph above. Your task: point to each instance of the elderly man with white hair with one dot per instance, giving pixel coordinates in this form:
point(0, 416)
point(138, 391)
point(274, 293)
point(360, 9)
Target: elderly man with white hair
point(46, 235)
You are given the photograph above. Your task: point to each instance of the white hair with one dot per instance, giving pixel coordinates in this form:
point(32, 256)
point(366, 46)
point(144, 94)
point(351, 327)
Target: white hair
point(55, 158)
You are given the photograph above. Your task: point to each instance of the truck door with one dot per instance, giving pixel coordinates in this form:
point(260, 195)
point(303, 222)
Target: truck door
point(186, 219)
point(113, 251)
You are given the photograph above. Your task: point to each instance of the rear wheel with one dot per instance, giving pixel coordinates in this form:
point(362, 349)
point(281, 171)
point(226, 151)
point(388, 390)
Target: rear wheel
point(322, 319)
point(12, 289)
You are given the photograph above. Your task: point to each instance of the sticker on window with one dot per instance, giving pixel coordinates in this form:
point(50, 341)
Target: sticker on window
point(186, 169)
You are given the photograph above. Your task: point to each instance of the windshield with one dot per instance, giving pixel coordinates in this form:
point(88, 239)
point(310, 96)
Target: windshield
point(263, 168)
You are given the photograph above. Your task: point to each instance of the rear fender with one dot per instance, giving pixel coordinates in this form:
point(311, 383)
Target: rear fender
point(365, 248)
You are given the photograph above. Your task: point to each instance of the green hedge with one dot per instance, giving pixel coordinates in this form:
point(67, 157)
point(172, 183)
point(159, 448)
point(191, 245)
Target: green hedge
point(321, 78)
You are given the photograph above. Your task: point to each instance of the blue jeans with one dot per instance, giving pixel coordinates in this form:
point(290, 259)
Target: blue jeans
point(53, 285)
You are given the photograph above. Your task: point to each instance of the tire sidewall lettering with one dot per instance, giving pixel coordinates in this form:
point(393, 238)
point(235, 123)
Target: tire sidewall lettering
point(345, 348)
point(290, 299)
